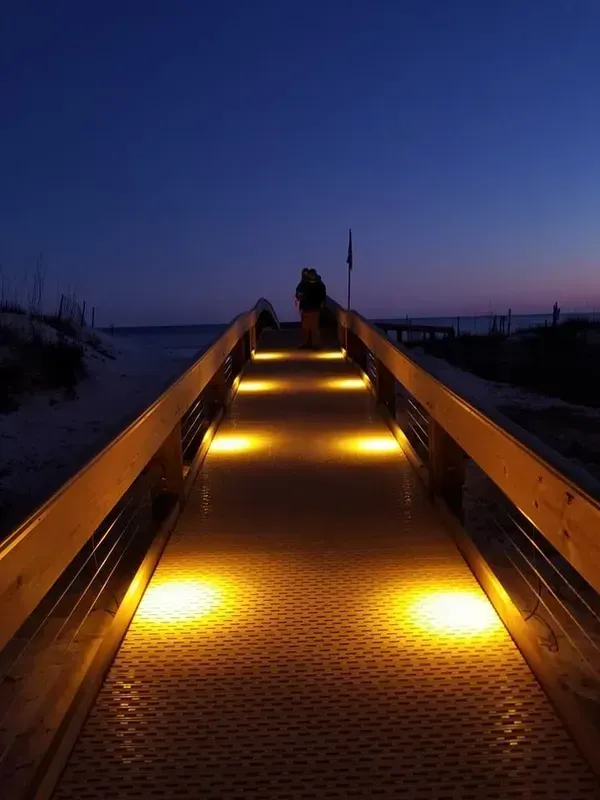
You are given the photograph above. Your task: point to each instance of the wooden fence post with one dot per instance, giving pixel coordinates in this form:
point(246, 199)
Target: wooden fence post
point(446, 468)
point(238, 356)
point(169, 465)
point(216, 393)
point(342, 333)
point(357, 350)
point(386, 388)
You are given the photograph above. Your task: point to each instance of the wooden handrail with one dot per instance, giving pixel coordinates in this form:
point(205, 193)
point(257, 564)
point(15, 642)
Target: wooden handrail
point(556, 497)
point(34, 556)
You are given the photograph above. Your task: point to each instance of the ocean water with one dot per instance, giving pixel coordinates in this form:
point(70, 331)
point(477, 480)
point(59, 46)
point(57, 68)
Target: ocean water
point(182, 342)
point(188, 342)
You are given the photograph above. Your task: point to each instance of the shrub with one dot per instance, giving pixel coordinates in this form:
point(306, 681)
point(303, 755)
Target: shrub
point(62, 364)
point(12, 379)
point(60, 324)
point(10, 307)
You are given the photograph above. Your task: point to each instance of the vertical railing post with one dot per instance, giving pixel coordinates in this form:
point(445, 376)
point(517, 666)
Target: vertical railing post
point(168, 466)
point(357, 350)
point(386, 387)
point(446, 468)
point(252, 334)
point(238, 356)
point(216, 393)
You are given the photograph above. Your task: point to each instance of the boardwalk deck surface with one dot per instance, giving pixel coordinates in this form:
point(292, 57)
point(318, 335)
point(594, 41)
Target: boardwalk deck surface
point(312, 632)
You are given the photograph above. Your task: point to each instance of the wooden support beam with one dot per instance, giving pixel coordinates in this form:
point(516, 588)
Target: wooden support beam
point(446, 469)
point(386, 387)
point(169, 461)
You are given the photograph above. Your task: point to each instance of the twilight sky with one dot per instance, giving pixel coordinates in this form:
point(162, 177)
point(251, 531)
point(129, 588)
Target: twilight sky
point(175, 160)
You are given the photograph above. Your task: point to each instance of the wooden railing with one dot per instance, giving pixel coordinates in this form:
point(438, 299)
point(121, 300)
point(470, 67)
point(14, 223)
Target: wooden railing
point(538, 509)
point(35, 555)
point(540, 483)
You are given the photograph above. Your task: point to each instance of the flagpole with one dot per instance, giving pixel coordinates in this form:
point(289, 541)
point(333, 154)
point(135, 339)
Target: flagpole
point(349, 285)
point(350, 262)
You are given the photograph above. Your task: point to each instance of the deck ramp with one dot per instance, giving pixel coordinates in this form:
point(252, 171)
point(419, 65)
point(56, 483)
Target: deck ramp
point(311, 630)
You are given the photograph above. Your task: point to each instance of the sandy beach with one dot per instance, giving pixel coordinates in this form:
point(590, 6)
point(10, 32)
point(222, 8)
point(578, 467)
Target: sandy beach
point(52, 434)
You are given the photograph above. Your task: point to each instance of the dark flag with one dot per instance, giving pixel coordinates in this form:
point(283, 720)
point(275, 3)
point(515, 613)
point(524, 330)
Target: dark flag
point(350, 260)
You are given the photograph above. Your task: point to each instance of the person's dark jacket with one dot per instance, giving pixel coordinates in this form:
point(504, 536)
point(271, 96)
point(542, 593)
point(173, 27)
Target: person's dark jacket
point(311, 294)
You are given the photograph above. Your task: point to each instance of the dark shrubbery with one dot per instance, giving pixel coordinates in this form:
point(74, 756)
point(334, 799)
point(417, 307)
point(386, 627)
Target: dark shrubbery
point(60, 324)
point(11, 381)
point(561, 360)
point(62, 364)
point(9, 307)
point(35, 364)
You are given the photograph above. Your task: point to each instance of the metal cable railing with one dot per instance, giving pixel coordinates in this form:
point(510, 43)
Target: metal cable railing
point(228, 370)
point(193, 427)
point(414, 421)
point(412, 418)
point(51, 639)
point(58, 639)
point(371, 367)
point(559, 630)
point(78, 608)
point(197, 419)
point(570, 610)
point(564, 611)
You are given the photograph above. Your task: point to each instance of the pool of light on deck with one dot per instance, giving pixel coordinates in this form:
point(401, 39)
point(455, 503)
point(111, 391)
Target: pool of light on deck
point(270, 356)
point(179, 601)
point(231, 444)
point(298, 355)
point(346, 384)
point(451, 613)
point(370, 446)
point(257, 386)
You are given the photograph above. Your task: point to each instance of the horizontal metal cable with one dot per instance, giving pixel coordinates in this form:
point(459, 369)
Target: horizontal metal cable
point(65, 591)
point(91, 582)
point(551, 590)
point(554, 568)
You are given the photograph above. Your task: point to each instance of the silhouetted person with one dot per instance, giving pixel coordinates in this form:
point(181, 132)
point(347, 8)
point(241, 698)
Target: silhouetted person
point(304, 277)
point(311, 295)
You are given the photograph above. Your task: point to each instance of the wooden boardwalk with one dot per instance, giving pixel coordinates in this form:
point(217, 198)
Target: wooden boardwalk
point(312, 631)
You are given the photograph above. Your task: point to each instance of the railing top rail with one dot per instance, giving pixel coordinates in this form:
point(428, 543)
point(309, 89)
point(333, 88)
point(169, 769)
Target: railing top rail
point(559, 499)
point(34, 555)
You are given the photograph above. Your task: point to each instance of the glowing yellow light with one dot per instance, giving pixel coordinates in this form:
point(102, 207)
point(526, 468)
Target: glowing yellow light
point(258, 386)
point(327, 355)
point(269, 356)
point(377, 444)
point(346, 384)
point(179, 601)
point(224, 443)
point(371, 445)
point(454, 613)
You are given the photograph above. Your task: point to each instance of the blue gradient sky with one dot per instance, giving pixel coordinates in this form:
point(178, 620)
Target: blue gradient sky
point(174, 160)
